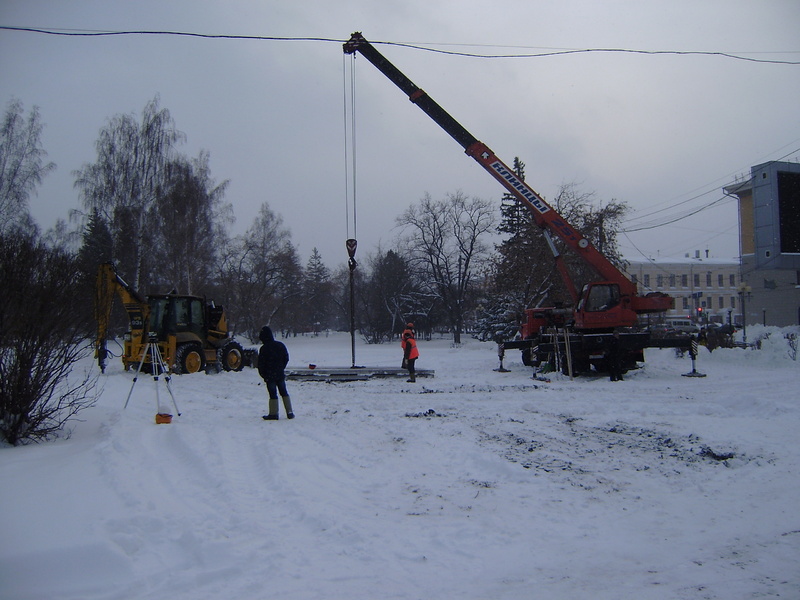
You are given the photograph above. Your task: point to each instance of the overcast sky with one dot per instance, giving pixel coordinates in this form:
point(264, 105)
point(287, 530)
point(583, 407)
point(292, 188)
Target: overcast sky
point(661, 132)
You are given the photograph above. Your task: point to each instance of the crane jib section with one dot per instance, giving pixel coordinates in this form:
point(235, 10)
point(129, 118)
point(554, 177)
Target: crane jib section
point(518, 185)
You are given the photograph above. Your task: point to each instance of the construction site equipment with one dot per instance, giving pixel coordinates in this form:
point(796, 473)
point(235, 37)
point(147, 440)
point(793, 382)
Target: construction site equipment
point(578, 336)
point(153, 355)
point(190, 332)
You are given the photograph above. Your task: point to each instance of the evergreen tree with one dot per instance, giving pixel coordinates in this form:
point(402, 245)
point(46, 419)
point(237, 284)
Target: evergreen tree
point(96, 248)
point(317, 293)
point(391, 297)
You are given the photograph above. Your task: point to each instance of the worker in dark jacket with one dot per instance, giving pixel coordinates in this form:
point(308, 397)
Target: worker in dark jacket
point(410, 352)
point(615, 358)
point(272, 360)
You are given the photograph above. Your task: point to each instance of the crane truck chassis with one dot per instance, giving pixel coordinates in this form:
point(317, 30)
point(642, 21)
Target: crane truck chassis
point(580, 335)
point(191, 333)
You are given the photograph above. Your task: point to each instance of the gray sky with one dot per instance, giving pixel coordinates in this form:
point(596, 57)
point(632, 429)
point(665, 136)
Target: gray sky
point(659, 132)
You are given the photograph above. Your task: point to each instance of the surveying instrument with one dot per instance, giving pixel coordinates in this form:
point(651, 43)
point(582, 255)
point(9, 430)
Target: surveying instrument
point(158, 366)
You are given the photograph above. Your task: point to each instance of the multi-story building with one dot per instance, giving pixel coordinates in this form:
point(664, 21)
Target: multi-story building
point(705, 289)
point(769, 239)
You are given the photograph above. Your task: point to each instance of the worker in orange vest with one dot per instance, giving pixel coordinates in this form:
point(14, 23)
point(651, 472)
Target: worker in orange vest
point(410, 352)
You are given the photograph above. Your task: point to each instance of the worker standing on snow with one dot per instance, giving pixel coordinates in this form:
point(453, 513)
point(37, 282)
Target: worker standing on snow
point(410, 352)
point(272, 360)
point(615, 358)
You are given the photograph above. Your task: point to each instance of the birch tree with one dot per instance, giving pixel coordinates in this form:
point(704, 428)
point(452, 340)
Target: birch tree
point(22, 164)
point(125, 182)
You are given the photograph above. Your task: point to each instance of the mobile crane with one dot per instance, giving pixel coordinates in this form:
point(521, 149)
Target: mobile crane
point(579, 337)
point(191, 334)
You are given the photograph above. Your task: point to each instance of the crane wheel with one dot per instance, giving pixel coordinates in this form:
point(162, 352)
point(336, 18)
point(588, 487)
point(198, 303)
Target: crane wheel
point(189, 358)
point(231, 356)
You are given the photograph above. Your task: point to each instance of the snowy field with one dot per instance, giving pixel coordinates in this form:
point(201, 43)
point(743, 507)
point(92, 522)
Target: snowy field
point(474, 484)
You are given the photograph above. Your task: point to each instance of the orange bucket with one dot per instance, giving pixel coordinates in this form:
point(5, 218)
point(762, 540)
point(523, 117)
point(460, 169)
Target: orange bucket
point(163, 418)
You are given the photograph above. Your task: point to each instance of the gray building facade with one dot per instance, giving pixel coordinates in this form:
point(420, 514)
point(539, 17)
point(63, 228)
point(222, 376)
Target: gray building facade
point(769, 242)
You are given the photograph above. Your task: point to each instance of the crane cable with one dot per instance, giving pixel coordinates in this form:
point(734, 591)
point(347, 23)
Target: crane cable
point(350, 166)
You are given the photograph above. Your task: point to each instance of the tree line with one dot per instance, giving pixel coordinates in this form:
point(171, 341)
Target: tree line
point(164, 221)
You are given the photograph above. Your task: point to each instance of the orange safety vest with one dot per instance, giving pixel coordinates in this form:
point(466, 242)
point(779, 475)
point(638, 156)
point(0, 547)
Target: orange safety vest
point(409, 345)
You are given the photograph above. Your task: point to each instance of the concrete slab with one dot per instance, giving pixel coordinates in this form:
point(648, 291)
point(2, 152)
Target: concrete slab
point(352, 373)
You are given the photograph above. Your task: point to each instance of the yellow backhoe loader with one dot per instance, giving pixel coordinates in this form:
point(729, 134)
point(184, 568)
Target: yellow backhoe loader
point(191, 334)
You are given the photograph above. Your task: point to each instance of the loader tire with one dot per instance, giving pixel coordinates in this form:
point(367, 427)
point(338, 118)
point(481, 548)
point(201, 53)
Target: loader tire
point(189, 359)
point(231, 356)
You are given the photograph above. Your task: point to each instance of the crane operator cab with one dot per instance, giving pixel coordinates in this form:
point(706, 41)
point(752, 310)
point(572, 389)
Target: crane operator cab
point(601, 306)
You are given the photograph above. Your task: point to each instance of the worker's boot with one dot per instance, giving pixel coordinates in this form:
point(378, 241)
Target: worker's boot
point(412, 378)
point(287, 404)
point(273, 410)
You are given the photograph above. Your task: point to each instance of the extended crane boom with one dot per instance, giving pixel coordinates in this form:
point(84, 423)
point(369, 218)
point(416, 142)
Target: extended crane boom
point(544, 215)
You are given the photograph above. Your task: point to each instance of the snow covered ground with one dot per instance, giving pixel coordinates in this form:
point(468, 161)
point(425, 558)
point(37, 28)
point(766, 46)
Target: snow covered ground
point(474, 484)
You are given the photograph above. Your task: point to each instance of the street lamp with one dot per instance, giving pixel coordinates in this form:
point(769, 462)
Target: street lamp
point(744, 292)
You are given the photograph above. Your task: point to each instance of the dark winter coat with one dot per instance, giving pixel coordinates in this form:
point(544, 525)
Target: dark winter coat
point(272, 357)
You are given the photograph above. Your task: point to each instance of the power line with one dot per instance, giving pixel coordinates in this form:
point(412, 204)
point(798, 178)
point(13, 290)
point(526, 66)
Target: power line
point(674, 219)
point(597, 50)
point(416, 46)
point(95, 33)
point(678, 218)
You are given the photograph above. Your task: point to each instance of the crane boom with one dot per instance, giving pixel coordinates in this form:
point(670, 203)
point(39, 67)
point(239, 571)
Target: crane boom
point(544, 215)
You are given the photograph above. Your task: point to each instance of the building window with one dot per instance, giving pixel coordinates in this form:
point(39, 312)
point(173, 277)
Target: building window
point(672, 279)
point(697, 280)
point(720, 280)
point(635, 279)
point(647, 280)
point(708, 279)
point(686, 302)
point(684, 280)
point(733, 279)
point(721, 302)
point(733, 301)
point(659, 281)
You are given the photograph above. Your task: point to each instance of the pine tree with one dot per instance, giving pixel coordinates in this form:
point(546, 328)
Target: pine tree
point(317, 293)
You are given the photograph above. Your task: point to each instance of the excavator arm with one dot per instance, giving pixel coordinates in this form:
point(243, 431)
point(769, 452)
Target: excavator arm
point(107, 285)
point(544, 215)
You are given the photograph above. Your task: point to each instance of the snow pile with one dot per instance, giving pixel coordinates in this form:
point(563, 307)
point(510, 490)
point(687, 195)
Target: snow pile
point(473, 484)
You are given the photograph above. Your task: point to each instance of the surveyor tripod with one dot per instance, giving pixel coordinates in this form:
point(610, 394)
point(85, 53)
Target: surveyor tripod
point(158, 366)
